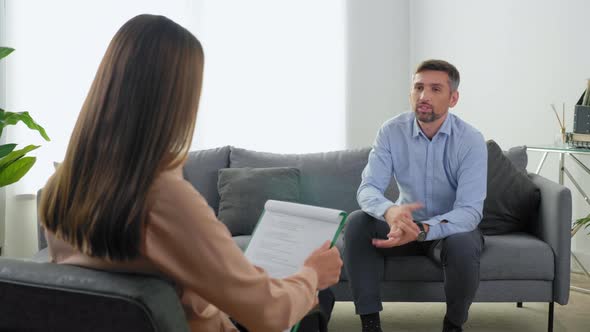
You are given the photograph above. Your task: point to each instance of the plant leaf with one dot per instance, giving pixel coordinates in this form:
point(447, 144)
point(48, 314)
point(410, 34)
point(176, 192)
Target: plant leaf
point(6, 149)
point(16, 170)
point(11, 118)
point(5, 51)
point(583, 221)
point(2, 112)
point(15, 155)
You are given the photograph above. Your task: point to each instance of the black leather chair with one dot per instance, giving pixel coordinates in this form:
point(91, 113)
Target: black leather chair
point(37, 296)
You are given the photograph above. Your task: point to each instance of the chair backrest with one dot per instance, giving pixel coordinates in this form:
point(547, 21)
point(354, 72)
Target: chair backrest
point(51, 297)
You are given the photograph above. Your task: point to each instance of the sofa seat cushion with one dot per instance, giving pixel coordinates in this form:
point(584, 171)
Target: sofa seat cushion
point(242, 241)
point(517, 256)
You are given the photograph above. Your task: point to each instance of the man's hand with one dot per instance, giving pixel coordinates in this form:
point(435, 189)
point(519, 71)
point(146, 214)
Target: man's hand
point(402, 227)
point(400, 217)
point(398, 239)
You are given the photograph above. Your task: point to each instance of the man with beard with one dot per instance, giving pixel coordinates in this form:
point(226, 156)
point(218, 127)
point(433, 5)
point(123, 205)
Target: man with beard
point(440, 165)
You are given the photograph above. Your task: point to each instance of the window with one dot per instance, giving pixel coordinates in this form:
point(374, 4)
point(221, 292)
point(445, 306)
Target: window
point(274, 72)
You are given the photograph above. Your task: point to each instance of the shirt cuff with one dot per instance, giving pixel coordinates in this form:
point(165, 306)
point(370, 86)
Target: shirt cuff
point(434, 229)
point(432, 221)
point(434, 232)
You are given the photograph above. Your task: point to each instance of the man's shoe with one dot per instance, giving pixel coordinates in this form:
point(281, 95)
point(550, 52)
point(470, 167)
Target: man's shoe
point(450, 327)
point(371, 322)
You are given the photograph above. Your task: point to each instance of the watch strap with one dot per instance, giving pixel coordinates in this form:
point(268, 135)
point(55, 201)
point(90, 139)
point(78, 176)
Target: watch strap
point(422, 235)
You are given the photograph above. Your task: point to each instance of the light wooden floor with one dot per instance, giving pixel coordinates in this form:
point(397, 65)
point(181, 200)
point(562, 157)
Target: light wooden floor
point(580, 280)
point(483, 317)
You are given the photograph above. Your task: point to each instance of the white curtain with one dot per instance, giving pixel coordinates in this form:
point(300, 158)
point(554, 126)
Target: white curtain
point(274, 75)
point(274, 72)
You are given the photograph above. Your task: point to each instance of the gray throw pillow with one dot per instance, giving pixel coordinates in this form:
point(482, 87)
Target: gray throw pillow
point(518, 157)
point(244, 191)
point(512, 198)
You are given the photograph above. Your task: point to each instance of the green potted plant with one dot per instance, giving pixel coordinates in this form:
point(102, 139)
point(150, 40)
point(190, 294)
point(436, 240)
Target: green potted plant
point(14, 164)
point(582, 222)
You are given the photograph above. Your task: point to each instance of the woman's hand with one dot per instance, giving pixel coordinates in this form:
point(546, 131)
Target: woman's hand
point(327, 263)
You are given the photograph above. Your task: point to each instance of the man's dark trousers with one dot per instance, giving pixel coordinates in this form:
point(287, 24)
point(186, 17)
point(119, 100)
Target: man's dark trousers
point(458, 255)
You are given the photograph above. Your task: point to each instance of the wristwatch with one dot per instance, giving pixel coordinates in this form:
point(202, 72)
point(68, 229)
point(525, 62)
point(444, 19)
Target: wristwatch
point(422, 235)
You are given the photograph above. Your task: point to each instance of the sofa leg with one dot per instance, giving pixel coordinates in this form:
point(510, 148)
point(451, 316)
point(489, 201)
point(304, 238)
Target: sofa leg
point(519, 304)
point(550, 323)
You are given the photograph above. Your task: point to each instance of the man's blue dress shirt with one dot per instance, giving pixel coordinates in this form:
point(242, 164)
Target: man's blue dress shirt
point(447, 174)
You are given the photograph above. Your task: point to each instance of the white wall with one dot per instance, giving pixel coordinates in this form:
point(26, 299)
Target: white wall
point(514, 61)
point(377, 66)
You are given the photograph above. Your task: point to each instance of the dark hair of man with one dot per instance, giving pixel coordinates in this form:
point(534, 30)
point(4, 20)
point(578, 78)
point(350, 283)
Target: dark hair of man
point(137, 121)
point(441, 65)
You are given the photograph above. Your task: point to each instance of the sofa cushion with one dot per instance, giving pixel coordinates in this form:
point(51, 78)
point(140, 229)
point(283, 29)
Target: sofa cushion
point(516, 256)
point(517, 155)
point(201, 170)
point(328, 179)
point(244, 191)
point(512, 198)
point(242, 241)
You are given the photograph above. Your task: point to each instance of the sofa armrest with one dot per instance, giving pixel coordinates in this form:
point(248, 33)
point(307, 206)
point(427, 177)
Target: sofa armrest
point(553, 226)
point(56, 297)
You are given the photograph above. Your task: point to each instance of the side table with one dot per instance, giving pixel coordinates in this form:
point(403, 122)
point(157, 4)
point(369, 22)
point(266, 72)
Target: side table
point(571, 152)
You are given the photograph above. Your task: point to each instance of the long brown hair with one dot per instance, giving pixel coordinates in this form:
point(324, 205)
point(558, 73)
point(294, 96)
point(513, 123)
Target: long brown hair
point(137, 120)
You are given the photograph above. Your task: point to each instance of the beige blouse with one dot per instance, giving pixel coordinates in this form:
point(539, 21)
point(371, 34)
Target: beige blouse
point(184, 241)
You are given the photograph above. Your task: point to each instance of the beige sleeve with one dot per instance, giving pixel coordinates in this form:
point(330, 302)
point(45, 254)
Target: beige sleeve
point(185, 241)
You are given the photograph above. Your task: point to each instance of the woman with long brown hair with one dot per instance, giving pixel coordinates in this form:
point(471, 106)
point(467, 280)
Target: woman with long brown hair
point(118, 201)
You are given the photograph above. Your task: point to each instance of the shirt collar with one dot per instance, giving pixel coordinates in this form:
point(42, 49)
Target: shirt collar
point(416, 127)
point(445, 128)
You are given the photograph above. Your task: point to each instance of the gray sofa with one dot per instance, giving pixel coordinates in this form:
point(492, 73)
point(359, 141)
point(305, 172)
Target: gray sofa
point(528, 266)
